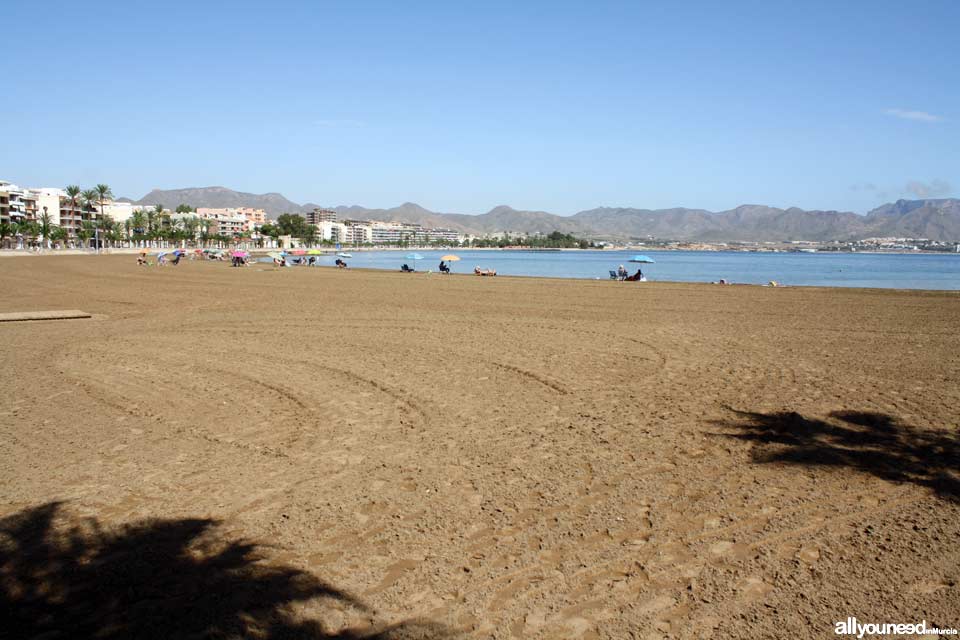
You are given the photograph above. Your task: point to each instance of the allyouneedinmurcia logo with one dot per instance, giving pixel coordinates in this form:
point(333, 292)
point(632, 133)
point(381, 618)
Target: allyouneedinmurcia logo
point(851, 627)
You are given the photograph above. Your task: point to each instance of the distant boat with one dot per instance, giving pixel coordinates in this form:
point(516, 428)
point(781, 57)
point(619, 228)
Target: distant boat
point(808, 250)
point(344, 255)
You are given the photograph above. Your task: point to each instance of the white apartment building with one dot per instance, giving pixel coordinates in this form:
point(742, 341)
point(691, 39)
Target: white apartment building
point(254, 218)
point(118, 211)
point(19, 204)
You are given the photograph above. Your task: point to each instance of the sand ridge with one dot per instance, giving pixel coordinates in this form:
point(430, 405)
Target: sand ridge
point(503, 457)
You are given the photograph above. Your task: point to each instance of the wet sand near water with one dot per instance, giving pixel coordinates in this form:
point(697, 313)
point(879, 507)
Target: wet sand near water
point(452, 456)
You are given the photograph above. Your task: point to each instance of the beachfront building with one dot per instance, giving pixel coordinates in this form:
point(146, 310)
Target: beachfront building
point(72, 216)
point(231, 226)
point(319, 216)
point(253, 218)
point(20, 205)
point(118, 211)
point(382, 233)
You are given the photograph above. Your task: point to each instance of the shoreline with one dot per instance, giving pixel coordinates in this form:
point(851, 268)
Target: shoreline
point(259, 253)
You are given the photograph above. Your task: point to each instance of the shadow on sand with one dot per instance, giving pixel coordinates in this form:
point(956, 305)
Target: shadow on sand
point(873, 443)
point(158, 579)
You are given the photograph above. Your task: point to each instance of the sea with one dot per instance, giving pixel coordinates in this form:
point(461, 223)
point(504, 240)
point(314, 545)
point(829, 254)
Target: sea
point(820, 269)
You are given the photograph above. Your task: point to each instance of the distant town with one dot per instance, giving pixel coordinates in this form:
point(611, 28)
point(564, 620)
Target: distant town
point(71, 217)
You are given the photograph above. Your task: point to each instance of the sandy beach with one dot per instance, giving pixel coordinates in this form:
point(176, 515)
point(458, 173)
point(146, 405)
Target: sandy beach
point(305, 453)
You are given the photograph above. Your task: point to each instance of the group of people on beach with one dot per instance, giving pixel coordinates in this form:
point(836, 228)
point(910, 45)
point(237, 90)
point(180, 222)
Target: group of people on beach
point(142, 260)
point(624, 276)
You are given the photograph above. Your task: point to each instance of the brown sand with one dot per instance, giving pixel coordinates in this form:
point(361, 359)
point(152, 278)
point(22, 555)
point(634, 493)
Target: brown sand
point(491, 457)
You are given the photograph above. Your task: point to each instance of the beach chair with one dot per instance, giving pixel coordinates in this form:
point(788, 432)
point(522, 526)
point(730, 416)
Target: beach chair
point(614, 275)
point(407, 269)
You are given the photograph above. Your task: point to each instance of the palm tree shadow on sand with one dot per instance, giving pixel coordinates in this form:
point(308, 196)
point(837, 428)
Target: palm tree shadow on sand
point(159, 579)
point(874, 443)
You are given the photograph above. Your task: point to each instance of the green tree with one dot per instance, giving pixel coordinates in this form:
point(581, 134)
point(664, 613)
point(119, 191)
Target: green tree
point(89, 200)
point(309, 235)
point(58, 234)
point(103, 194)
point(184, 208)
point(73, 193)
point(86, 231)
point(190, 226)
point(45, 224)
point(30, 229)
point(291, 224)
point(138, 223)
point(270, 231)
point(7, 230)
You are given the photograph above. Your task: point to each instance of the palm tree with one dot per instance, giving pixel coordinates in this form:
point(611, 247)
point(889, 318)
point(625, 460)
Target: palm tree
point(6, 231)
point(205, 230)
point(58, 234)
point(190, 228)
point(73, 192)
point(137, 220)
point(46, 226)
point(103, 194)
point(30, 229)
point(86, 232)
point(89, 198)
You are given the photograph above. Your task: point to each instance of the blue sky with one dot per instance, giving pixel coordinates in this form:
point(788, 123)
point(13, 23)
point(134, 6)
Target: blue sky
point(463, 106)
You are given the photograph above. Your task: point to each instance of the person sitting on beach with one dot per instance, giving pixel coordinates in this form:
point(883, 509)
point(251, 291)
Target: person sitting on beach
point(484, 272)
point(406, 268)
point(637, 277)
point(622, 273)
point(142, 260)
point(312, 261)
point(444, 268)
point(176, 259)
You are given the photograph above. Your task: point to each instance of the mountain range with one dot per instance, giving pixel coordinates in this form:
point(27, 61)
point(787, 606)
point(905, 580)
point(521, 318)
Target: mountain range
point(936, 219)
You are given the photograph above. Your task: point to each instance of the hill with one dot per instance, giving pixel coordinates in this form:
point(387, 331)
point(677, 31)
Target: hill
point(937, 219)
point(218, 197)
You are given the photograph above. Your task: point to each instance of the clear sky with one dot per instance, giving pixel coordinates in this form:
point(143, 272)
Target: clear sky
point(463, 106)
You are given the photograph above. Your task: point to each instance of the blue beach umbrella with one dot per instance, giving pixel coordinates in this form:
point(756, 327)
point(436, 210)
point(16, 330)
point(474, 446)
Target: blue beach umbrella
point(639, 258)
point(414, 256)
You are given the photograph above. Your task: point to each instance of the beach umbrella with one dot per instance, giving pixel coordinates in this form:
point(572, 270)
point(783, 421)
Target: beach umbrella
point(314, 252)
point(276, 255)
point(414, 256)
point(239, 254)
point(450, 258)
point(299, 252)
point(639, 258)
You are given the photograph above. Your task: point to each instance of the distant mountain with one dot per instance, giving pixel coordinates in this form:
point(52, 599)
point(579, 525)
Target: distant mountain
point(934, 219)
point(219, 197)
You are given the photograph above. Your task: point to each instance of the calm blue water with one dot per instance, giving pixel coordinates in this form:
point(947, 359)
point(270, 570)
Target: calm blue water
point(891, 271)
